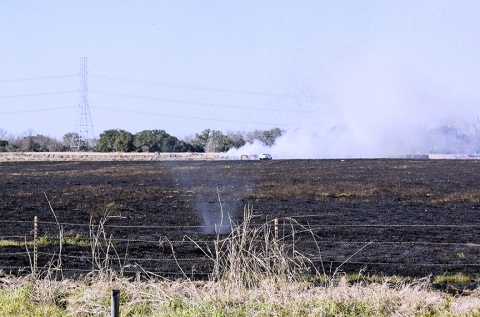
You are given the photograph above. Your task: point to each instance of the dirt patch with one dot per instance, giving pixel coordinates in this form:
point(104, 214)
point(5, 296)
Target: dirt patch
point(411, 218)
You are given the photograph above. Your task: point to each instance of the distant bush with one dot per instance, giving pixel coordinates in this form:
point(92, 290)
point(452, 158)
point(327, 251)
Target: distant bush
point(3, 145)
point(33, 143)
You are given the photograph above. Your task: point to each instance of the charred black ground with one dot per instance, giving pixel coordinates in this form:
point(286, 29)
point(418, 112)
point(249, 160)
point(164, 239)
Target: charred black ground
point(417, 217)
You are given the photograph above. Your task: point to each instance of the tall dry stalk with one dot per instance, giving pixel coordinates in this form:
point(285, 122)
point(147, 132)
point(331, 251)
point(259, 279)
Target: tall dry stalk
point(251, 254)
point(99, 245)
point(103, 251)
point(56, 265)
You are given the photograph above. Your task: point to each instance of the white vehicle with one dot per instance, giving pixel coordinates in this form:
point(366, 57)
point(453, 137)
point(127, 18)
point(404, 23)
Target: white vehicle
point(265, 157)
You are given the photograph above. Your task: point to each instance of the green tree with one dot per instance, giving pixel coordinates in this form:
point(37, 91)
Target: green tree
point(268, 137)
point(201, 139)
point(215, 141)
point(236, 139)
point(160, 141)
point(149, 140)
point(3, 145)
point(124, 142)
point(144, 141)
point(106, 142)
point(219, 142)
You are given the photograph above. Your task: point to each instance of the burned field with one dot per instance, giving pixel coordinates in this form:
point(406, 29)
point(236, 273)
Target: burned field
point(403, 217)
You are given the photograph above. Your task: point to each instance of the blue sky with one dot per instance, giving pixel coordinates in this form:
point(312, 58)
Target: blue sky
point(378, 67)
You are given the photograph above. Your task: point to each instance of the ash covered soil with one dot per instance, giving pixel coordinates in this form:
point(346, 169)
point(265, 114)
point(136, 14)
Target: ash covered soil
point(403, 217)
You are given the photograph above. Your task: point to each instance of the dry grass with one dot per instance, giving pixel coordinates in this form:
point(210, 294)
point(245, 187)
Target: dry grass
point(467, 196)
point(249, 255)
point(270, 297)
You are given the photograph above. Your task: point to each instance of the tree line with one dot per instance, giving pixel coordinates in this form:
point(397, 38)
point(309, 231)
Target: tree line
point(117, 140)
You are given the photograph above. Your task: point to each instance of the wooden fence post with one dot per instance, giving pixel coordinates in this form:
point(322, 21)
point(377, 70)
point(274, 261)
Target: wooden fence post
point(275, 227)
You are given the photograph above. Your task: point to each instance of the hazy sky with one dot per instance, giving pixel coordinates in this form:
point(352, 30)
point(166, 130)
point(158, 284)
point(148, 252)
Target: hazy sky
point(378, 67)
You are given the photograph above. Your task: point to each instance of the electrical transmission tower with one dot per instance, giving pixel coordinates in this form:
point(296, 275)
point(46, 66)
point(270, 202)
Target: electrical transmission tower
point(84, 137)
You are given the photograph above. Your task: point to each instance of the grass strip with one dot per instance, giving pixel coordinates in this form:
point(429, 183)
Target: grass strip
point(29, 297)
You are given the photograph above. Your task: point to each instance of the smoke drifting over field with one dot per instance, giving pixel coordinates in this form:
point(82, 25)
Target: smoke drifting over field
point(340, 142)
point(378, 133)
point(393, 98)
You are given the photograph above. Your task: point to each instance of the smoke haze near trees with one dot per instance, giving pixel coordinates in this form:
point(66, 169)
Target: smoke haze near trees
point(339, 141)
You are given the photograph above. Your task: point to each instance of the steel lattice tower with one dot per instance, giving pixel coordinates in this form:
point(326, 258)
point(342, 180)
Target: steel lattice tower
point(84, 137)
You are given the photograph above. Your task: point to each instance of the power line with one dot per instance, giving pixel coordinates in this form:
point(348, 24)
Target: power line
point(39, 94)
point(189, 87)
point(194, 102)
point(179, 86)
point(37, 60)
point(36, 78)
point(144, 112)
point(189, 117)
point(36, 110)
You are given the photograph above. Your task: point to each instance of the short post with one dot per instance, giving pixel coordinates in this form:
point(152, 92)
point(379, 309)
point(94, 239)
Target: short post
point(35, 253)
point(115, 303)
point(275, 228)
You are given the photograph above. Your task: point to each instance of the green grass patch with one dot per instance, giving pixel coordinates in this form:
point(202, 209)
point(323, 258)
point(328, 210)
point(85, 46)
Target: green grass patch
point(179, 308)
point(453, 278)
point(18, 302)
point(78, 240)
point(11, 243)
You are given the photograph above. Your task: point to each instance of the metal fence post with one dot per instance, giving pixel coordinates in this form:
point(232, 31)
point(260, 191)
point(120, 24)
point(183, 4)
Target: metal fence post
point(115, 303)
point(35, 253)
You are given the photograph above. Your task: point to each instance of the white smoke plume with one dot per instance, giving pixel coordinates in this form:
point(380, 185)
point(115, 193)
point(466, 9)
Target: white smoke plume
point(391, 99)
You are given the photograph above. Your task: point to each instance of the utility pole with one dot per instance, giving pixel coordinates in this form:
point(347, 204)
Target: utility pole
point(84, 136)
